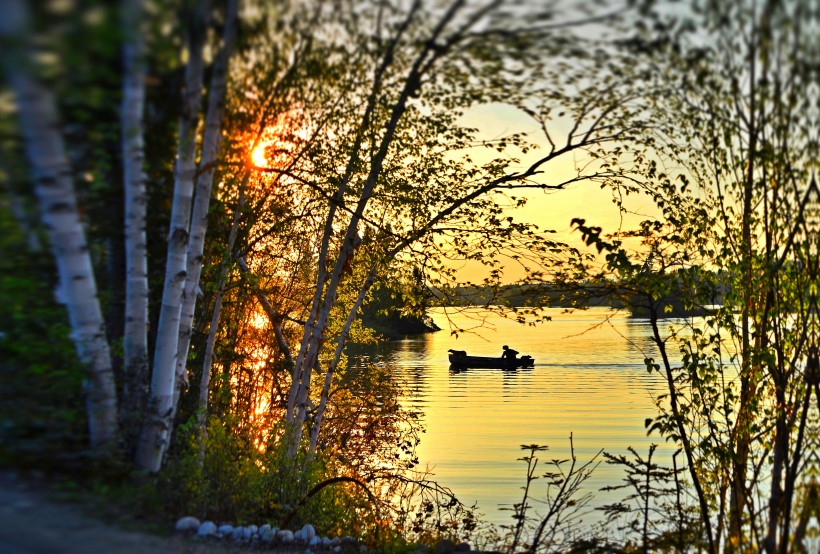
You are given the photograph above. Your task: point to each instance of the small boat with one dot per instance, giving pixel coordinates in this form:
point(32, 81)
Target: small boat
point(460, 360)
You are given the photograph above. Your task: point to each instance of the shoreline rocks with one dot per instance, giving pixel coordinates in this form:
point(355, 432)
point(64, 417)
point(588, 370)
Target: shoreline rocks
point(266, 535)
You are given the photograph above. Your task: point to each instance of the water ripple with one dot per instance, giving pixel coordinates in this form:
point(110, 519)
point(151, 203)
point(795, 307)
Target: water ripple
point(589, 380)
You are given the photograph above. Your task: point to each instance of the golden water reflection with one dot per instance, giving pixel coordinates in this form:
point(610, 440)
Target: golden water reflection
point(589, 379)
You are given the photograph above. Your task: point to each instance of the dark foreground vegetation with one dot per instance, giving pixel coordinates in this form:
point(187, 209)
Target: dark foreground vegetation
point(204, 203)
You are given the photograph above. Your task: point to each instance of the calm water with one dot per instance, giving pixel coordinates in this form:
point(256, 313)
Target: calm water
point(589, 380)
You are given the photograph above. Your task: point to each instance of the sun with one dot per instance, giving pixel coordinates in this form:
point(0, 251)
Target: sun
point(280, 140)
point(258, 156)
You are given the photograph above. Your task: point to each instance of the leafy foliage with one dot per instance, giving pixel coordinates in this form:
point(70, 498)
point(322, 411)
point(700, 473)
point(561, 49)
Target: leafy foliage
point(42, 425)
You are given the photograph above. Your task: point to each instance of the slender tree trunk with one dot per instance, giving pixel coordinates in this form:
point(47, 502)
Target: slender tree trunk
point(135, 337)
point(110, 171)
point(685, 441)
point(327, 289)
point(208, 358)
point(58, 208)
point(646, 504)
point(156, 432)
point(776, 497)
point(312, 336)
point(202, 198)
point(340, 344)
point(749, 367)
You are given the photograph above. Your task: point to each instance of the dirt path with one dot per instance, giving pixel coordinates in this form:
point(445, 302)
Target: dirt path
point(31, 522)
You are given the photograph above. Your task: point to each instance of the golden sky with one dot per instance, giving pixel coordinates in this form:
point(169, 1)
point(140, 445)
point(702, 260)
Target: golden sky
point(551, 210)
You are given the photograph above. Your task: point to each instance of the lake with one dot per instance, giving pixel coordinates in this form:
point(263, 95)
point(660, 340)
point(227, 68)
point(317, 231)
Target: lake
point(589, 380)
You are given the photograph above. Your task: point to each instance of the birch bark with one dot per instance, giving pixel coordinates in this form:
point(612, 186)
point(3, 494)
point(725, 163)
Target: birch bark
point(199, 217)
point(57, 201)
point(135, 337)
point(156, 432)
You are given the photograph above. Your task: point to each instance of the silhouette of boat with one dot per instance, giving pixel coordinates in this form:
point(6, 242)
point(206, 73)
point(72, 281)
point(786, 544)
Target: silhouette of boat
point(460, 360)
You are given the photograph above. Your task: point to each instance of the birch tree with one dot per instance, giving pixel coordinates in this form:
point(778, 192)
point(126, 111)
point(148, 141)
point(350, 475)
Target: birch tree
point(187, 237)
point(54, 188)
point(135, 337)
point(405, 184)
point(199, 218)
point(157, 427)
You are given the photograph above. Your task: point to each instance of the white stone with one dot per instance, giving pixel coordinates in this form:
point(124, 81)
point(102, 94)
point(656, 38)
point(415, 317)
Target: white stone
point(207, 529)
point(308, 531)
point(285, 536)
point(237, 533)
point(225, 529)
point(326, 541)
point(247, 533)
point(335, 541)
point(254, 529)
point(315, 541)
point(187, 524)
point(299, 536)
point(266, 533)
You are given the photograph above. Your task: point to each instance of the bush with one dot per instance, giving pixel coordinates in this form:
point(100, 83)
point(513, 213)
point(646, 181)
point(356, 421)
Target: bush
point(42, 416)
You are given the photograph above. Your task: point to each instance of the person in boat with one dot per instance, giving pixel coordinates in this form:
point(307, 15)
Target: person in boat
point(509, 353)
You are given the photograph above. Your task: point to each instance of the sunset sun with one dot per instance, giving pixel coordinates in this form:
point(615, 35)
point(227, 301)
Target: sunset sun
point(258, 154)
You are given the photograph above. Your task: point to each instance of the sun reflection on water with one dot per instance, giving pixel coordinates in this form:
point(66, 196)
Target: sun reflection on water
point(589, 379)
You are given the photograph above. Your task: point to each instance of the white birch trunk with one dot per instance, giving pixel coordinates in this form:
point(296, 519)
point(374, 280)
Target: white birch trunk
point(156, 432)
point(202, 198)
point(58, 208)
point(135, 337)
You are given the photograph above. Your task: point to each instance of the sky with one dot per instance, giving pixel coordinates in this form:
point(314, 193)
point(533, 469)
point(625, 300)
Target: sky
point(550, 210)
